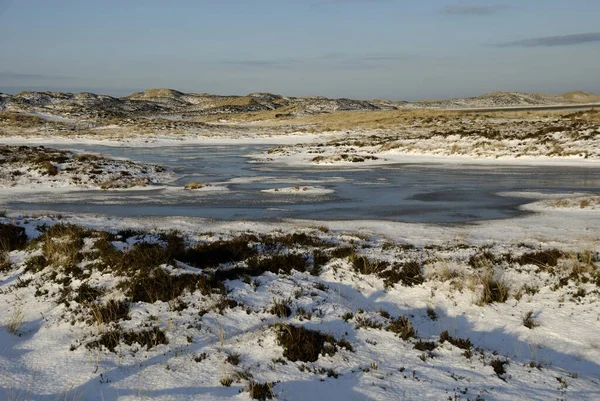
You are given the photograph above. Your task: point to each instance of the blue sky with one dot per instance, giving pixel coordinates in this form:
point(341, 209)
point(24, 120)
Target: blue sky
point(338, 48)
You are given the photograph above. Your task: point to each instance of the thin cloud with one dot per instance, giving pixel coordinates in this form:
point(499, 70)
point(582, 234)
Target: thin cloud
point(474, 10)
point(551, 41)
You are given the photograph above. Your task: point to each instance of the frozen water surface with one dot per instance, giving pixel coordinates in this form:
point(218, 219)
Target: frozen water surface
point(424, 193)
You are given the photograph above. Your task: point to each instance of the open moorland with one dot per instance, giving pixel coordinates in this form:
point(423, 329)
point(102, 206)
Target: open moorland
point(179, 307)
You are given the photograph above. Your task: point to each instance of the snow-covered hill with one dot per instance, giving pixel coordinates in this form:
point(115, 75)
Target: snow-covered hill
point(154, 102)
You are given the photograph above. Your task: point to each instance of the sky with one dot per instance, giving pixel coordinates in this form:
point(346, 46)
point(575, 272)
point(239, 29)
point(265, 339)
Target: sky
point(363, 49)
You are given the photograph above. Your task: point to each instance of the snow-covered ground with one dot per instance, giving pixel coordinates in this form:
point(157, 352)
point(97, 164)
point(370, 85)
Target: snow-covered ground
point(26, 168)
point(498, 310)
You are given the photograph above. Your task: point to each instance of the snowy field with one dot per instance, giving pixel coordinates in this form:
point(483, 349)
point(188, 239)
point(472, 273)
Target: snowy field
point(130, 309)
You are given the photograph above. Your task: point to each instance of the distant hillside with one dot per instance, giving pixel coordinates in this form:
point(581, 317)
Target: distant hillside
point(509, 99)
point(164, 102)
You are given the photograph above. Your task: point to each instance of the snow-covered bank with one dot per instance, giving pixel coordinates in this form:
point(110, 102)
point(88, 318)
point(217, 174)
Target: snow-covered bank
point(29, 168)
point(231, 137)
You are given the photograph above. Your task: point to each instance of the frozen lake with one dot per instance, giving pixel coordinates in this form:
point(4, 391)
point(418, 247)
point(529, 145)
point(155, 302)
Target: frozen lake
point(424, 193)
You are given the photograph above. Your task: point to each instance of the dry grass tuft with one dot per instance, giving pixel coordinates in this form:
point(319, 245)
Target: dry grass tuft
point(493, 289)
point(15, 321)
point(261, 391)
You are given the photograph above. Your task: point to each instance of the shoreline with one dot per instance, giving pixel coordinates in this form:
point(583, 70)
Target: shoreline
point(300, 158)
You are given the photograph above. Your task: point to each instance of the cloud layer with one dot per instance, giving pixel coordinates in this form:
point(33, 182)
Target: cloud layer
point(551, 41)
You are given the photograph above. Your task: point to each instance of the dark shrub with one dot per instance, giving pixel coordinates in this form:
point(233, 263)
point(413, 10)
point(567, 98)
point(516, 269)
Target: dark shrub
point(277, 264)
point(12, 237)
point(216, 253)
point(425, 345)
point(409, 274)
point(48, 168)
point(320, 259)
point(363, 265)
point(541, 258)
point(300, 344)
point(281, 308)
point(111, 311)
point(498, 366)
point(157, 285)
point(87, 294)
point(143, 257)
point(148, 338)
point(36, 264)
point(342, 252)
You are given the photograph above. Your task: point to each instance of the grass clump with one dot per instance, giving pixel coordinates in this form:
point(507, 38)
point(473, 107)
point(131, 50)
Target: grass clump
point(195, 185)
point(529, 321)
point(363, 265)
point(300, 344)
point(424, 345)
point(87, 294)
point(220, 252)
point(233, 359)
point(158, 285)
point(143, 257)
point(5, 263)
point(462, 343)
point(408, 274)
point(277, 264)
point(61, 244)
point(494, 290)
point(110, 311)
point(147, 338)
point(365, 322)
point(272, 243)
point(499, 366)
point(226, 381)
point(281, 308)
point(320, 259)
point(260, 391)
point(36, 264)
point(402, 327)
point(342, 252)
point(15, 321)
point(548, 258)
